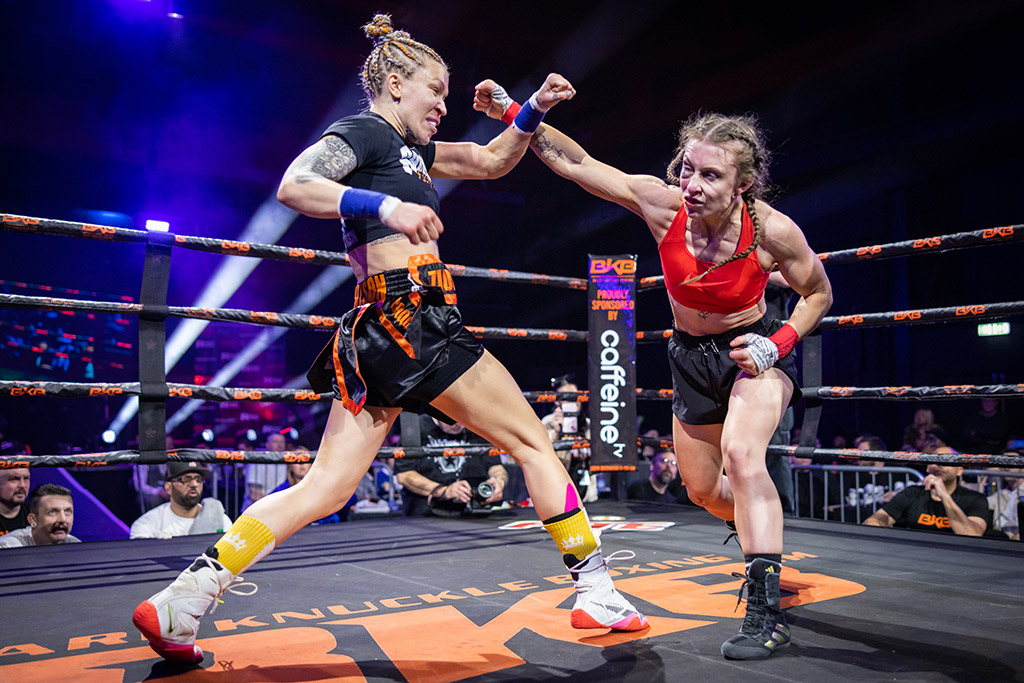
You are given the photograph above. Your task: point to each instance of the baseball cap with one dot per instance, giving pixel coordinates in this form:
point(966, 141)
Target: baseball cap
point(176, 468)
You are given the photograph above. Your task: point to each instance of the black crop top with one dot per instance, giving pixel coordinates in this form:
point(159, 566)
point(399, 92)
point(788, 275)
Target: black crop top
point(385, 163)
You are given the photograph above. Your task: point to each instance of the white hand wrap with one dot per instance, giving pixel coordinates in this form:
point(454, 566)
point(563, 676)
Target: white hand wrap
point(763, 351)
point(501, 97)
point(386, 207)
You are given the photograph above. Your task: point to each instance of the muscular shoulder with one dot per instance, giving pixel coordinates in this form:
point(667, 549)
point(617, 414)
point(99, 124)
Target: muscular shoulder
point(658, 201)
point(780, 235)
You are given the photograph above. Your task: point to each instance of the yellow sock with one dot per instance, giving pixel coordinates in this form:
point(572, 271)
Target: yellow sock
point(572, 533)
point(244, 544)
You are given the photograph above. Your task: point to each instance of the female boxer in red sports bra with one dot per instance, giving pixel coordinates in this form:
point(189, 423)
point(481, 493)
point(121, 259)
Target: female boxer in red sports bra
point(732, 373)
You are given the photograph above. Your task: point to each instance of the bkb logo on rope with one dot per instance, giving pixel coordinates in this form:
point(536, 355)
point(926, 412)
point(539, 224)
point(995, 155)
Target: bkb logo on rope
point(612, 376)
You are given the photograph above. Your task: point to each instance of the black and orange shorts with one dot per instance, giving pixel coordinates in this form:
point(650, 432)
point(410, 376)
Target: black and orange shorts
point(402, 345)
point(703, 373)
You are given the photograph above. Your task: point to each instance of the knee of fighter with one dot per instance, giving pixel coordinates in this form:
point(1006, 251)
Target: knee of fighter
point(738, 459)
point(699, 497)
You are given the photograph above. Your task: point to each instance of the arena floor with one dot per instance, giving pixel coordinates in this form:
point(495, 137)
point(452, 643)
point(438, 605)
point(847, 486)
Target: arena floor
point(486, 599)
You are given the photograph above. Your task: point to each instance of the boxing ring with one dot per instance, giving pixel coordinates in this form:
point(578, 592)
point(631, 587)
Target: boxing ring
point(434, 600)
point(363, 600)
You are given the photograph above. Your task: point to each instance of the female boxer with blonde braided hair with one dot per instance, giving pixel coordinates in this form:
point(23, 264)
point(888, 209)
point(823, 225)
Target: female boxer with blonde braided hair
point(403, 345)
point(732, 375)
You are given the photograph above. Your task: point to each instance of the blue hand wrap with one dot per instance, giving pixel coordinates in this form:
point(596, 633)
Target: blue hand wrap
point(355, 202)
point(529, 117)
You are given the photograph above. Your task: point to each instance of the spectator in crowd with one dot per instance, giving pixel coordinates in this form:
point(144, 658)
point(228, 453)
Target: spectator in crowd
point(187, 513)
point(1003, 501)
point(14, 508)
point(871, 488)
point(262, 478)
point(817, 492)
point(446, 484)
point(567, 421)
point(50, 518)
point(840, 441)
point(662, 485)
point(148, 482)
point(939, 504)
point(387, 485)
point(915, 433)
point(986, 430)
point(297, 472)
point(935, 440)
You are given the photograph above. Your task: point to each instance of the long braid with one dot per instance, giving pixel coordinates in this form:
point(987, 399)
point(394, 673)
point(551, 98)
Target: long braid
point(393, 52)
point(751, 160)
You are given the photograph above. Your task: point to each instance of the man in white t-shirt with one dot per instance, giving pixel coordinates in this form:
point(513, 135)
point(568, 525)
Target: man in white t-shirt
point(184, 514)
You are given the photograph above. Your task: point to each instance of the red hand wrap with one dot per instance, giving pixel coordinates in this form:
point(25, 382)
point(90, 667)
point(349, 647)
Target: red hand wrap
point(786, 338)
point(510, 114)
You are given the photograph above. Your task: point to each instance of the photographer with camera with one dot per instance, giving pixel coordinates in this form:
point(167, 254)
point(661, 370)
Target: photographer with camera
point(569, 421)
point(450, 485)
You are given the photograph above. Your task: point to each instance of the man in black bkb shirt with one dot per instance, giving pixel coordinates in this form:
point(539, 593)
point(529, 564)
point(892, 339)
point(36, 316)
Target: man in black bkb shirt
point(445, 485)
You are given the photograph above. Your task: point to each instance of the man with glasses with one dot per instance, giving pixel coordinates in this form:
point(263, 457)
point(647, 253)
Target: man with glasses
point(187, 513)
point(663, 485)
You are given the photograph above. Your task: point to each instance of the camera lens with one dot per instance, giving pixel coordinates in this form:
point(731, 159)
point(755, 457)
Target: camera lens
point(484, 490)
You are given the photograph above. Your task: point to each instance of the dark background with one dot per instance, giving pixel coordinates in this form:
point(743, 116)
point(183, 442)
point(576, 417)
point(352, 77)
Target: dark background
point(887, 122)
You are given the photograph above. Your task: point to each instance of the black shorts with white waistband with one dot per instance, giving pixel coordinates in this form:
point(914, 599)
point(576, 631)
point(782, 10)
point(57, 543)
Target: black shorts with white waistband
point(703, 373)
point(401, 346)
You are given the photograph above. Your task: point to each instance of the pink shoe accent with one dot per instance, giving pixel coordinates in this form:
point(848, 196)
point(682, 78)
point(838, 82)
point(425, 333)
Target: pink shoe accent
point(572, 501)
point(580, 619)
point(145, 619)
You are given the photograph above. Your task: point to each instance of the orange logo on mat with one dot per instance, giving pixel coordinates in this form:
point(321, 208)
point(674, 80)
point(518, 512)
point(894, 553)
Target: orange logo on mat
point(907, 315)
point(929, 242)
point(415, 632)
point(105, 391)
point(863, 252)
point(851, 319)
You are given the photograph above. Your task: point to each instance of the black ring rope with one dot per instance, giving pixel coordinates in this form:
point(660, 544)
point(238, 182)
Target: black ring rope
point(949, 391)
point(46, 226)
point(237, 248)
point(223, 457)
point(890, 318)
point(942, 243)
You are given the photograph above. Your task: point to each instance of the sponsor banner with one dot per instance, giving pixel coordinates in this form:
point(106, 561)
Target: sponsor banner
point(612, 349)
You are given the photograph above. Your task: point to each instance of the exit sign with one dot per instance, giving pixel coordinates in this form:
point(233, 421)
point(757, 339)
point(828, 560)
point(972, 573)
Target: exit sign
point(993, 329)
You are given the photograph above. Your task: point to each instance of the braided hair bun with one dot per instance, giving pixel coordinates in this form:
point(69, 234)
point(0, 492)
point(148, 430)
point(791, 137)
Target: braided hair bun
point(379, 27)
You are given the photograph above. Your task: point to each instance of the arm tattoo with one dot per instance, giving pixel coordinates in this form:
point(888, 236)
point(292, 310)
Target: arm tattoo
point(546, 148)
point(332, 158)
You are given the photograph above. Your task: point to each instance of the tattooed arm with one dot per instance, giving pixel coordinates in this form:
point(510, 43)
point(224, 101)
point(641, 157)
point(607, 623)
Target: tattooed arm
point(312, 182)
point(312, 186)
point(647, 196)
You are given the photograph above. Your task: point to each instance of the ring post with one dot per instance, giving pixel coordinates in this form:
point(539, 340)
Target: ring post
point(612, 365)
point(156, 272)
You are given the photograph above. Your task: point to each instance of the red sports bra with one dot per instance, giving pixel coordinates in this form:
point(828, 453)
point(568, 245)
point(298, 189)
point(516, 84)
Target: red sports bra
point(734, 287)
